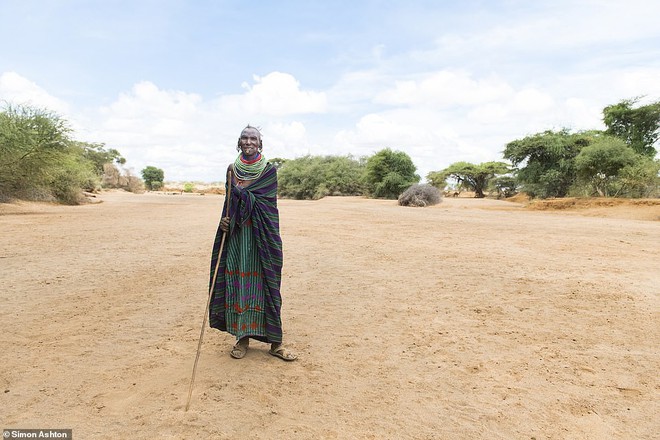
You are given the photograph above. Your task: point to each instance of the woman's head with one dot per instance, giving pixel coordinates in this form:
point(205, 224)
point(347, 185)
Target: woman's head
point(250, 142)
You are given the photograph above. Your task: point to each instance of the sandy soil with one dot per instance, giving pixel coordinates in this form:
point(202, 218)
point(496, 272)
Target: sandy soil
point(472, 319)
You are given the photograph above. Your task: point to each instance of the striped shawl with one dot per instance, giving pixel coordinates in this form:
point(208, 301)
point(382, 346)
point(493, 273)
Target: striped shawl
point(258, 203)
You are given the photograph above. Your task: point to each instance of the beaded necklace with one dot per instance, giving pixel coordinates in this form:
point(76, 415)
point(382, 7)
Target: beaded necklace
point(249, 169)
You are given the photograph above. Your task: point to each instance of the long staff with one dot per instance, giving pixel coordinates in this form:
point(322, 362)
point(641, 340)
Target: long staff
point(208, 301)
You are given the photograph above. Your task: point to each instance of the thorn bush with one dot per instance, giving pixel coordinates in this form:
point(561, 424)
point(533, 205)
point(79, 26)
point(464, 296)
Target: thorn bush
point(420, 196)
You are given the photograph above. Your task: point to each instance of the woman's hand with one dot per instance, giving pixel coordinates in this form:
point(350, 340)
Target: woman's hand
point(224, 224)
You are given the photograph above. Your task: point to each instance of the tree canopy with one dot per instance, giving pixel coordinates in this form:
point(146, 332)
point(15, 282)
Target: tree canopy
point(38, 159)
point(153, 177)
point(546, 161)
point(474, 177)
point(388, 173)
point(314, 177)
point(99, 155)
point(601, 167)
point(638, 127)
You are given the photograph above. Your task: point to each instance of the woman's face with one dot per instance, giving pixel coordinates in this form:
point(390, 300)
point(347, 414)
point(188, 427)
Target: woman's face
point(249, 142)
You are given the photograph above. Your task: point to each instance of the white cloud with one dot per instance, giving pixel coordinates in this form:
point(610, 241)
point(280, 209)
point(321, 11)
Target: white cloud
point(275, 94)
point(18, 90)
point(188, 136)
point(448, 116)
point(285, 139)
point(532, 101)
point(146, 97)
point(169, 129)
point(445, 89)
point(427, 136)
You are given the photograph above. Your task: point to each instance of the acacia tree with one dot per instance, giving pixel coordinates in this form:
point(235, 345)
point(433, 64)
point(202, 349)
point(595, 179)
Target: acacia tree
point(638, 127)
point(471, 176)
point(32, 143)
point(38, 159)
point(388, 173)
point(153, 177)
point(546, 161)
point(99, 155)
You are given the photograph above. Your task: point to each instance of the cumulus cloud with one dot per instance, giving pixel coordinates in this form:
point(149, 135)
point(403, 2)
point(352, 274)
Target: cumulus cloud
point(427, 136)
point(275, 94)
point(169, 129)
point(282, 139)
point(188, 135)
point(147, 97)
point(19, 90)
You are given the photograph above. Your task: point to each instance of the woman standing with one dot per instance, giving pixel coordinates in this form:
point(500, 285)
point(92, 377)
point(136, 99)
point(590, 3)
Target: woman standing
point(246, 299)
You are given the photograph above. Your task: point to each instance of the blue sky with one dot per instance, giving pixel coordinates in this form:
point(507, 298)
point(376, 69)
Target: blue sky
point(171, 83)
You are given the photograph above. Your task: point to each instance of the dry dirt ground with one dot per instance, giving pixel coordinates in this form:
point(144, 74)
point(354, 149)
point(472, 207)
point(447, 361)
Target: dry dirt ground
point(472, 319)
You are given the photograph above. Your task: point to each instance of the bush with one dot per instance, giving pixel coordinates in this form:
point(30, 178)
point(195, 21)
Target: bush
point(504, 186)
point(314, 177)
point(133, 184)
point(33, 142)
point(388, 173)
point(74, 175)
point(39, 161)
point(420, 196)
point(640, 179)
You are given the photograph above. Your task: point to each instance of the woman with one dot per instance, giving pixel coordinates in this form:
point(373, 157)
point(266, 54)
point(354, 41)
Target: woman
point(246, 299)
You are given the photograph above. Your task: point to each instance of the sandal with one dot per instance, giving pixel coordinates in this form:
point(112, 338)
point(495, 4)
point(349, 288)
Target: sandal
point(283, 354)
point(239, 350)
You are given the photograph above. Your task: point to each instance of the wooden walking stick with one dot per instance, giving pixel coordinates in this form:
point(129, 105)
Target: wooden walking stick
point(208, 301)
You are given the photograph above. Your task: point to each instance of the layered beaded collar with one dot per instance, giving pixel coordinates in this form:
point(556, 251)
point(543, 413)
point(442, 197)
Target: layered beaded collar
point(249, 169)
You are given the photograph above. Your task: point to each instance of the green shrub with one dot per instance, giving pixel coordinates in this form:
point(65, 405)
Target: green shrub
point(73, 175)
point(314, 177)
point(153, 178)
point(388, 173)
